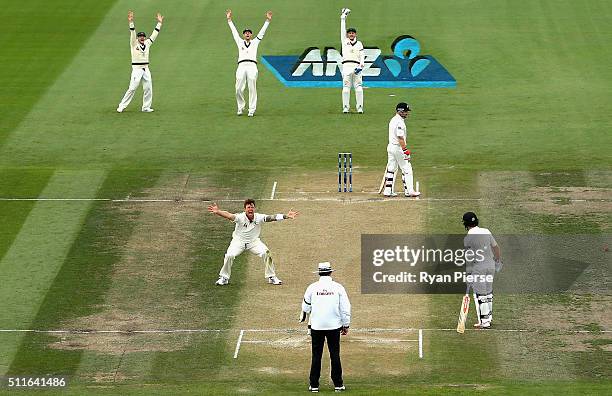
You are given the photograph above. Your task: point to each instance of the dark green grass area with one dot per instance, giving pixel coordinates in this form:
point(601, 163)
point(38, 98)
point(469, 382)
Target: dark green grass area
point(530, 92)
point(37, 42)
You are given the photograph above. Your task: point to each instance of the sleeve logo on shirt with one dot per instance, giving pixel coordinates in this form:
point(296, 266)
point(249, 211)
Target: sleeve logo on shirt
point(405, 68)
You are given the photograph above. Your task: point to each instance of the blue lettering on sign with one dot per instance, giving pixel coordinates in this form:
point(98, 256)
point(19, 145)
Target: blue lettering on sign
point(404, 69)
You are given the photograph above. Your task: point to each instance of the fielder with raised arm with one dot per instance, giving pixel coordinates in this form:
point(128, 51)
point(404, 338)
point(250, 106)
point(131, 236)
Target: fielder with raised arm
point(481, 239)
point(398, 154)
point(246, 237)
point(353, 61)
point(140, 45)
point(246, 73)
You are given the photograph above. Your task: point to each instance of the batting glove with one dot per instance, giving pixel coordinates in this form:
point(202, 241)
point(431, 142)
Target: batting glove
point(498, 265)
point(407, 154)
point(302, 316)
point(358, 70)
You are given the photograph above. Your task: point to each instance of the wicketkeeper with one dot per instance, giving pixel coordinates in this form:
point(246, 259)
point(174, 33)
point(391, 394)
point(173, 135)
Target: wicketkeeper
point(140, 45)
point(487, 263)
point(353, 61)
point(246, 237)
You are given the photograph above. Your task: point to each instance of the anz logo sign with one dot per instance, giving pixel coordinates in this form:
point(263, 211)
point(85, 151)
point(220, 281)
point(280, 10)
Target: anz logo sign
point(404, 69)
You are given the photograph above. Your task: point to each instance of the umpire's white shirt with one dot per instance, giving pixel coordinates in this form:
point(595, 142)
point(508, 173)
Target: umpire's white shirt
point(247, 231)
point(328, 304)
point(397, 128)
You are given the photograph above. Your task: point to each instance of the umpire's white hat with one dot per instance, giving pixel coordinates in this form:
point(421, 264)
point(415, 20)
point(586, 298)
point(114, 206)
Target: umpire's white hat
point(324, 267)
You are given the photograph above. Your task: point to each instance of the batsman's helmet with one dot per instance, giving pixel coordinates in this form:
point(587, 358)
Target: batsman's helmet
point(402, 106)
point(470, 219)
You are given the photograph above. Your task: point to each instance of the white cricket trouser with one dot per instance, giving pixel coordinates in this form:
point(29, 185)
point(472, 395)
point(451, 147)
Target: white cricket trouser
point(395, 159)
point(139, 74)
point(483, 292)
point(349, 78)
point(246, 74)
point(257, 247)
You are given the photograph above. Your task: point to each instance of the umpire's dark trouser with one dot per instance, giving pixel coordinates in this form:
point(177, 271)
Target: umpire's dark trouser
point(333, 344)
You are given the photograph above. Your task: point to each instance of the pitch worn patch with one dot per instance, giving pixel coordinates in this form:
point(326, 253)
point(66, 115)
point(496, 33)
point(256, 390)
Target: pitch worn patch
point(151, 286)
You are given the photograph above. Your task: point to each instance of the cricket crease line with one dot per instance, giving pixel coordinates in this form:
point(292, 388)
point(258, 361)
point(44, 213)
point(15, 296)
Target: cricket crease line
point(238, 344)
point(273, 191)
point(420, 343)
point(273, 198)
point(291, 330)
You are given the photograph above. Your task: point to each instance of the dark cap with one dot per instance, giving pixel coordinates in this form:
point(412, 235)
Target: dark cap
point(141, 34)
point(247, 30)
point(402, 106)
point(470, 219)
point(349, 30)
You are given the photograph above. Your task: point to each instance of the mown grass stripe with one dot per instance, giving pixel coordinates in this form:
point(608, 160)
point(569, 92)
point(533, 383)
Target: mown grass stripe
point(29, 66)
point(36, 255)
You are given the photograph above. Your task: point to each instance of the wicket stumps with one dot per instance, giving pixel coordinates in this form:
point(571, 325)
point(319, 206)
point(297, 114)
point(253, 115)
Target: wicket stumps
point(345, 169)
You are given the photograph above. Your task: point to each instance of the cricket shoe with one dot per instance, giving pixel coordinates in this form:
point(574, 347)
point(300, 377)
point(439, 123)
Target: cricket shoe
point(273, 280)
point(313, 389)
point(413, 194)
point(393, 194)
point(239, 112)
point(340, 388)
point(345, 110)
point(482, 326)
point(120, 110)
point(148, 110)
point(222, 281)
point(360, 110)
point(251, 114)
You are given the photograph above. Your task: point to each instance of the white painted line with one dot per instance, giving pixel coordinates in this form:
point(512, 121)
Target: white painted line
point(299, 330)
point(238, 344)
point(273, 191)
point(350, 200)
point(420, 343)
point(127, 332)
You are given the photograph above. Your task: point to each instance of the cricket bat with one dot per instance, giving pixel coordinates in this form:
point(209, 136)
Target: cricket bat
point(382, 182)
point(463, 313)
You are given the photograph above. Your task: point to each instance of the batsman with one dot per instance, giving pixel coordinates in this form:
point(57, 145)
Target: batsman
point(482, 243)
point(246, 237)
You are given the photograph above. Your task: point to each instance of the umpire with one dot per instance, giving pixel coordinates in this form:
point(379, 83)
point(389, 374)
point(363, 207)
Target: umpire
point(330, 315)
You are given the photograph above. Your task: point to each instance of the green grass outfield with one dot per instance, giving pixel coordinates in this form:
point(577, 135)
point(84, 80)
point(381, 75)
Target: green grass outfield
point(529, 115)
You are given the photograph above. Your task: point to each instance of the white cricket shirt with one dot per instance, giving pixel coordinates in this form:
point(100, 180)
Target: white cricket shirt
point(140, 52)
point(328, 304)
point(481, 239)
point(397, 128)
point(352, 51)
point(247, 51)
point(247, 231)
